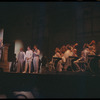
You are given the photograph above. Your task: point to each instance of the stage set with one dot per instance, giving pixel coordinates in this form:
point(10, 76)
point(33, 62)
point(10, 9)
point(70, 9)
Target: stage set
point(49, 50)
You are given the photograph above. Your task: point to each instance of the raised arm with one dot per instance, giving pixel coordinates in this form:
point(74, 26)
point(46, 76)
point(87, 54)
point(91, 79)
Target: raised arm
point(37, 53)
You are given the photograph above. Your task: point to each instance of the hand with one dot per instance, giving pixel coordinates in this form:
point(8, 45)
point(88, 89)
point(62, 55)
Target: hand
point(76, 44)
point(27, 58)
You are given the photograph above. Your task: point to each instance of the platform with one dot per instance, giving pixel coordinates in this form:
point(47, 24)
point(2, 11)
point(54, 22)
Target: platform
point(52, 85)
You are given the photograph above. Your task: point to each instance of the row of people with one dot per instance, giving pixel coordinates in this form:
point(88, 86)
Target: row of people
point(27, 58)
point(70, 50)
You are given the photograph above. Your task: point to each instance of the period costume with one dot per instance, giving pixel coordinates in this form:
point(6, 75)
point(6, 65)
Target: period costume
point(21, 59)
point(28, 60)
point(66, 58)
point(36, 54)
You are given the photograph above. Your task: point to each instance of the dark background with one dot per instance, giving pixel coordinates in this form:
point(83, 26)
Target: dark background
point(50, 24)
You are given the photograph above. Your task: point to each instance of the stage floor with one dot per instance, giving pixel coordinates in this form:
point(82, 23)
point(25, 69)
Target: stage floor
point(52, 85)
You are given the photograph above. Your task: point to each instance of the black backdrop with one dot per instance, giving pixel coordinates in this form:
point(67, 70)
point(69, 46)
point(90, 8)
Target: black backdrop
point(50, 24)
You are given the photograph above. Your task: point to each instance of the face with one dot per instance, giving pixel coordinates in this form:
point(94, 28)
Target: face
point(35, 47)
point(28, 48)
point(75, 51)
point(76, 44)
point(21, 49)
point(57, 50)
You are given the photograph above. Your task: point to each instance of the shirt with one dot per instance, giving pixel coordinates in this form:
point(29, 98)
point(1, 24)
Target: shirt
point(36, 53)
point(29, 54)
point(21, 55)
point(85, 53)
point(66, 55)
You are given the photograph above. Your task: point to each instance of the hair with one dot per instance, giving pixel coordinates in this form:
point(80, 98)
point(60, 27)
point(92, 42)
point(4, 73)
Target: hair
point(69, 47)
point(85, 45)
point(36, 45)
point(57, 50)
point(29, 47)
point(21, 48)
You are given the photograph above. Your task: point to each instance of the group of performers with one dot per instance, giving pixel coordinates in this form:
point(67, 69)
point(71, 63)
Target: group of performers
point(65, 52)
point(27, 59)
point(61, 60)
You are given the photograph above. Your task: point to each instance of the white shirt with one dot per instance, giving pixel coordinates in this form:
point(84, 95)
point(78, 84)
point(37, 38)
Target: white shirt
point(66, 55)
point(29, 54)
point(85, 52)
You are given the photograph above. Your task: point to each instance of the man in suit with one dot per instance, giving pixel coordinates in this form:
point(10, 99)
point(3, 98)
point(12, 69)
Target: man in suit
point(21, 59)
point(36, 54)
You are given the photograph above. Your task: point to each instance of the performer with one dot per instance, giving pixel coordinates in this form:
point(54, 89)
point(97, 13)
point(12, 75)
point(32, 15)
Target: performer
point(91, 51)
point(36, 54)
point(1, 47)
point(75, 53)
point(58, 62)
point(83, 57)
point(57, 53)
point(66, 56)
point(76, 57)
point(93, 45)
point(13, 64)
point(28, 59)
point(98, 49)
point(63, 49)
point(20, 59)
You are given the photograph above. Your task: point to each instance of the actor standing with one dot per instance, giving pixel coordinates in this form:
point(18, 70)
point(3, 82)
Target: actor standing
point(21, 59)
point(28, 59)
point(36, 54)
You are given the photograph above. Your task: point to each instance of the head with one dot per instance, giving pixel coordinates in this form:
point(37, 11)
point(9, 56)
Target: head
point(68, 47)
point(35, 47)
point(0, 40)
point(21, 49)
point(28, 48)
point(76, 44)
point(57, 50)
point(93, 42)
point(63, 48)
point(90, 48)
point(85, 46)
point(75, 51)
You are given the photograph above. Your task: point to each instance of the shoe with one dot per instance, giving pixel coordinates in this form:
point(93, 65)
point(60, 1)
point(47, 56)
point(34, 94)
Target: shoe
point(24, 72)
point(73, 71)
point(78, 71)
point(34, 72)
point(82, 70)
point(65, 70)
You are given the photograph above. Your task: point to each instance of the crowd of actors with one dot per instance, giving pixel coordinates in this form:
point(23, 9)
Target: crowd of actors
point(71, 50)
point(27, 57)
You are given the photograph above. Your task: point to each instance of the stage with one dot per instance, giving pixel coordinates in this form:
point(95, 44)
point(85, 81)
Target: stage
point(52, 84)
